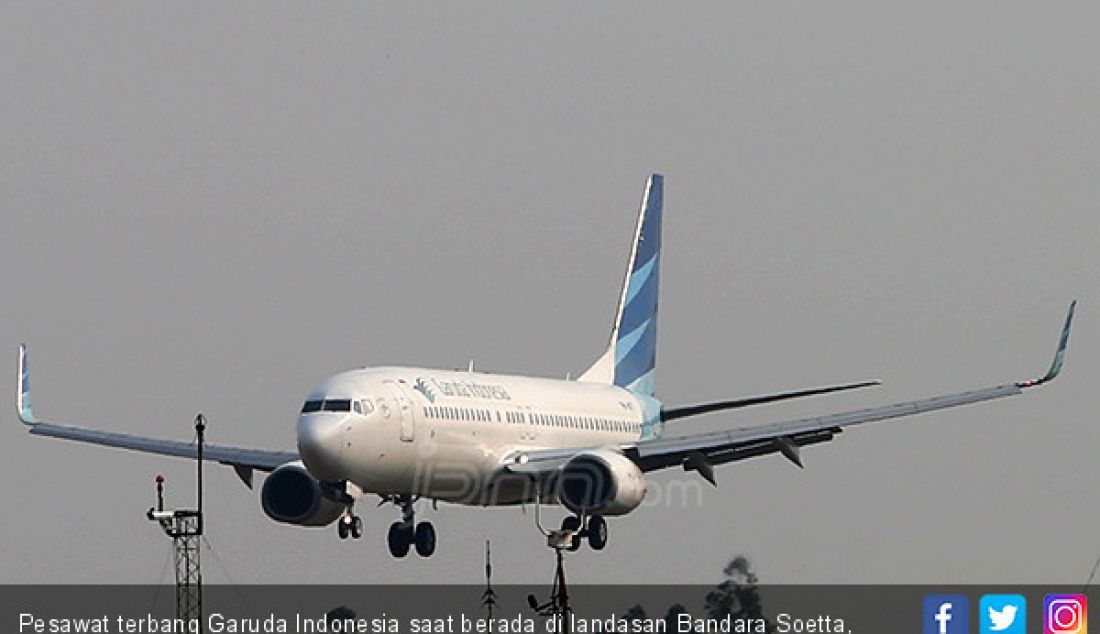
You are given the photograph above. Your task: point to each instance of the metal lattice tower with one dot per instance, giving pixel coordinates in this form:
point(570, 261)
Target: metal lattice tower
point(489, 597)
point(184, 526)
point(558, 606)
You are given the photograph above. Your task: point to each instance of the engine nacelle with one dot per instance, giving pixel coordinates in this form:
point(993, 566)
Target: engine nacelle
point(601, 481)
point(293, 496)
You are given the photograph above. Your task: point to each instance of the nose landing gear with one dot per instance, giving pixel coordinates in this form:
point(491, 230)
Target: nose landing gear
point(406, 533)
point(349, 525)
point(346, 493)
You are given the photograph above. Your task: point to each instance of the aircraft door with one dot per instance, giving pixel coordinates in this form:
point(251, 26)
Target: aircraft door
point(402, 411)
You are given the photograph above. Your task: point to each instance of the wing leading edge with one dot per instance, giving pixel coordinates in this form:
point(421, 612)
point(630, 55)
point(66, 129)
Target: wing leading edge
point(701, 452)
point(241, 459)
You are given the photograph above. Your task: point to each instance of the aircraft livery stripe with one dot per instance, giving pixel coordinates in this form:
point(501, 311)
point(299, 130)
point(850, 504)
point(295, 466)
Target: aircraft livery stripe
point(643, 306)
point(638, 278)
point(628, 341)
point(640, 359)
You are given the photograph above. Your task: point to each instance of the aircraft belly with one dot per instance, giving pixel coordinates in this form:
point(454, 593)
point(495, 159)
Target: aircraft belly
point(454, 464)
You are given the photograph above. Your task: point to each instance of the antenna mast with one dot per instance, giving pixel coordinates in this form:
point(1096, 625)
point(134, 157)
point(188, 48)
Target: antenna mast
point(185, 527)
point(489, 597)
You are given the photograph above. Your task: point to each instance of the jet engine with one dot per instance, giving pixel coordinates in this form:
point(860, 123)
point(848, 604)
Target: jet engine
point(293, 496)
point(601, 481)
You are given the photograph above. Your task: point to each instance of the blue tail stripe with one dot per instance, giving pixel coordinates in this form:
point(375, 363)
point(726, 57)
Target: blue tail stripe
point(639, 359)
point(639, 278)
point(644, 306)
point(628, 342)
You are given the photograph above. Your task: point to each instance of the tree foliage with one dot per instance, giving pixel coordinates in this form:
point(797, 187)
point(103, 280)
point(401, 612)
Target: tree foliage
point(737, 595)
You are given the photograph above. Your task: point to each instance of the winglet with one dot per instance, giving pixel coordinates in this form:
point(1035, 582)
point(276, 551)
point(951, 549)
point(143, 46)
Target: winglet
point(1059, 356)
point(23, 392)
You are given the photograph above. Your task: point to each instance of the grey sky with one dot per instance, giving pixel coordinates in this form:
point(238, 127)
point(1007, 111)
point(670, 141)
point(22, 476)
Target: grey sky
point(213, 207)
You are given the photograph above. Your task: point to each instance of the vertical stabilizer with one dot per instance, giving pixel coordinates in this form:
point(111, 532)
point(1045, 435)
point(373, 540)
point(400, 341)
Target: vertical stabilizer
point(631, 356)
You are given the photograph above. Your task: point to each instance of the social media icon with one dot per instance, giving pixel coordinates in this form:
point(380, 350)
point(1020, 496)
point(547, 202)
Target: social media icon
point(1065, 614)
point(946, 614)
point(1002, 613)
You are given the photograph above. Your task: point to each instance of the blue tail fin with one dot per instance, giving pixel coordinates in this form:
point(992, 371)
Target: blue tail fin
point(631, 357)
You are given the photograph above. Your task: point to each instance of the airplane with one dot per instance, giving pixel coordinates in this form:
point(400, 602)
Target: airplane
point(473, 438)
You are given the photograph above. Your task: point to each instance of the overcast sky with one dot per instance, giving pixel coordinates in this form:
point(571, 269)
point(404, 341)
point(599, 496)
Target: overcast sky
point(211, 206)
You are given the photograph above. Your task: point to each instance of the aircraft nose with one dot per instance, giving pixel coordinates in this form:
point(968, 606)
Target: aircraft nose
point(320, 443)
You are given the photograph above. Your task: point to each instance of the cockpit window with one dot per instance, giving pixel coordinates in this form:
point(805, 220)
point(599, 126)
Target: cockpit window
point(337, 405)
point(328, 405)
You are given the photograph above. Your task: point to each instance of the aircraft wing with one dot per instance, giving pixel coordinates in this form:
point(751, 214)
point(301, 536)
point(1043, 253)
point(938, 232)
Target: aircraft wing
point(701, 452)
point(243, 460)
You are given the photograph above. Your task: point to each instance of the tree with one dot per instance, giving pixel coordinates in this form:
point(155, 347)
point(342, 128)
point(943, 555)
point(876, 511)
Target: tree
point(672, 617)
point(636, 612)
point(737, 595)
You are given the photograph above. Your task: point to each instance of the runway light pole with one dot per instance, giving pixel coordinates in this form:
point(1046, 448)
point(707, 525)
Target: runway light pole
point(185, 527)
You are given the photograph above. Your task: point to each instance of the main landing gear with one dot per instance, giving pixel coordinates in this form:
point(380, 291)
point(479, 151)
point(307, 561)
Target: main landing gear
point(574, 528)
point(406, 533)
point(595, 531)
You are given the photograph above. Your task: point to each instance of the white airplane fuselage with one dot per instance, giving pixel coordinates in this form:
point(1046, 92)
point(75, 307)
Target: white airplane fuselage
point(446, 434)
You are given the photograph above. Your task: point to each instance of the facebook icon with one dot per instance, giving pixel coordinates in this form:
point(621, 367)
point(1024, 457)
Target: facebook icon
point(946, 614)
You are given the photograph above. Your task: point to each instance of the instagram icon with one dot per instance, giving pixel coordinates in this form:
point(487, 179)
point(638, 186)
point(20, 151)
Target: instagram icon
point(1065, 614)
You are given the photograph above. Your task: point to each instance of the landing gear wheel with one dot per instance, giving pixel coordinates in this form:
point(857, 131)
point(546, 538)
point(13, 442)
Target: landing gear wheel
point(356, 528)
point(573, 523)
point(399, 538)
point(342, 528)
point(597, 532)
point(425, 539)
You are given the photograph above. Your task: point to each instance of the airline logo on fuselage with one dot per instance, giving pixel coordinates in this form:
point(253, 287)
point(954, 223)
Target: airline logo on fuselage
point(465, 389)
point(422, 386)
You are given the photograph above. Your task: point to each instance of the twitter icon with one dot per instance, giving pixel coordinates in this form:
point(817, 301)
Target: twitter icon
point(1002, 614)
